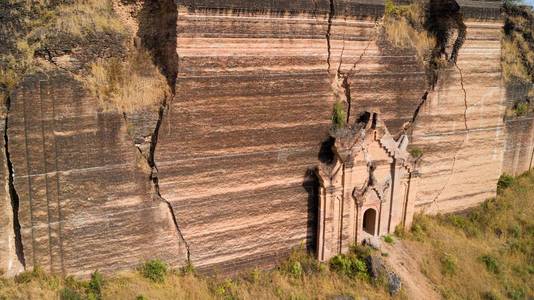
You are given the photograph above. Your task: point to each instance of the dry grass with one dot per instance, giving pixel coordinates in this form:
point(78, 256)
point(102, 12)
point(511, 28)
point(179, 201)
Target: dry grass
point(312, 281)
point(461, 253)
point(517, 48)
point(403, 26)
point(87, 16)
point(512, 64)
point(30, 26)
point(129, 85)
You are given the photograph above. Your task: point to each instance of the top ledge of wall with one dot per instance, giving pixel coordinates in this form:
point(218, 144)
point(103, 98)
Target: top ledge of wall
point(471, 9)
point(371, 8)
point(484, 10)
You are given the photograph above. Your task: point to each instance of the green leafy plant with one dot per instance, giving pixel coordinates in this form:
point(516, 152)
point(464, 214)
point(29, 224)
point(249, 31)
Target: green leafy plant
point(390, 8)
point(389, 239)
point(154, 269)
point(69, 294)
point(521, 109)
point(339, 115)
point(94, 288)
point(491, 263)
point(416, 152)
point(349, 265)
point(448, 265)
point(296, 269)
point(504, 182)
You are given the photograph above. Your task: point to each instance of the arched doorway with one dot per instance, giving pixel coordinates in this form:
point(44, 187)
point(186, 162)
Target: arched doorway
point(369, 221)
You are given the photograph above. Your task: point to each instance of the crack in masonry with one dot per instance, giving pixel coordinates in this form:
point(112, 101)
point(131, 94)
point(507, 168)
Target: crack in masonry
point(357, 62)
point(331, 15)
point(409, 126)
point(13, 195)
point(345, 84)
point(455, 158)
point(158, 34)
point(154, 174)
point(465, 94)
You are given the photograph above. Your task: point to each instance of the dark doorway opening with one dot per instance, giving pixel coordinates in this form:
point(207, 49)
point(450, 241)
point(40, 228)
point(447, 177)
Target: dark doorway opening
point(369, 221)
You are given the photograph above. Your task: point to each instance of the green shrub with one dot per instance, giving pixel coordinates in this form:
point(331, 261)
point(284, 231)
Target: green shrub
point(390, 8)
point(389, 239)
point(296, 269)
point(515, 293)
point(154, 269)
point(349, 265)
point(521, 109)
point(491, 263)
point(448, 265)
point(419, 227)
point(339, 115)
point(504, 182)
point(301, 262)
point(361, 251)
point(227, 288)
point(141, 297)
point(514, 231)
point(69, 294)
point(463, 223)
point(94, 288)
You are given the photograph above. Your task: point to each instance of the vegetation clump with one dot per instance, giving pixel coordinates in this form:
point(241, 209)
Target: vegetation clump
point(504, 182)
point(35, 33)
point(127, 85)
point(84, 38)
point(339, 115)
point(518, 44)
point(389, 239)
point(416, 152)
point(300, 276)
point(404, 28)
point(154, 269)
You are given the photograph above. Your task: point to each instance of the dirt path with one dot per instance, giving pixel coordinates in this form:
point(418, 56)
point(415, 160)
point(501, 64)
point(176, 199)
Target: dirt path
point(402, 262)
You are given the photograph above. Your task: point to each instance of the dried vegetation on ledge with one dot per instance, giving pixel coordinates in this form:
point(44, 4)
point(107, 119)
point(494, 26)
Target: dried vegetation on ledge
point(85, 38)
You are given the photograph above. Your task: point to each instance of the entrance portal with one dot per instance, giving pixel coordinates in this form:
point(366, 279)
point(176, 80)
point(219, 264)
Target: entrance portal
point(369, 221)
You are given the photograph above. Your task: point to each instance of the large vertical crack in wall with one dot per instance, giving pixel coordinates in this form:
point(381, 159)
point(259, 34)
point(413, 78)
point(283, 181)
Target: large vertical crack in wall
point(466, 137)
point(343, 78)
point(158, 34)
point(13, 195)
point(331, 15)
point(443, 17)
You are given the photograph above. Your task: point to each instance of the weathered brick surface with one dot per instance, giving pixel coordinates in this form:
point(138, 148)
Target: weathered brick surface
point(252, 109)
point(84, 203)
